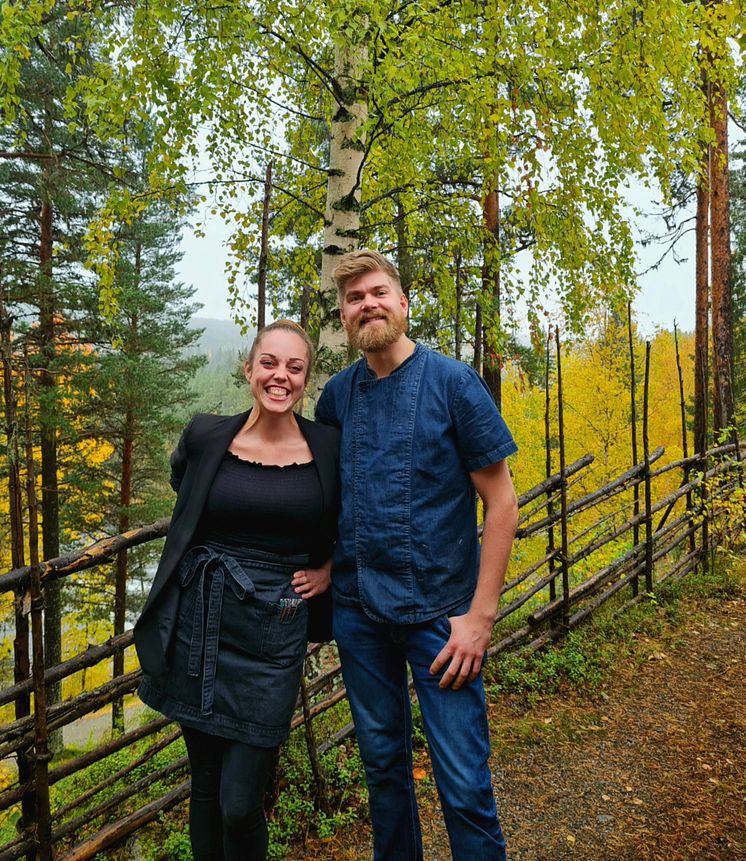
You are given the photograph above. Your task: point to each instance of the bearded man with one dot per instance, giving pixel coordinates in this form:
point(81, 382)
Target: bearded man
point(421, 436)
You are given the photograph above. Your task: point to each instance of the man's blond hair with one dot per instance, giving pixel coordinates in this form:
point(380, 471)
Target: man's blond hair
point(356, 263)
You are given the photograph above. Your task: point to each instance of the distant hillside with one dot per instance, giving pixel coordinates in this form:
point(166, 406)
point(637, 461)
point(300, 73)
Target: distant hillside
point(220, 336)
point(218, 385)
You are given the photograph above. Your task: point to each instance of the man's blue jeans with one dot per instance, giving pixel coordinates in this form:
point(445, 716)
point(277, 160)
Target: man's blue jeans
point(374, 665)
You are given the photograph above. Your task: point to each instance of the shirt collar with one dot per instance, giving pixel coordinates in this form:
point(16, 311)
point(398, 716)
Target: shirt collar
point(369, 375)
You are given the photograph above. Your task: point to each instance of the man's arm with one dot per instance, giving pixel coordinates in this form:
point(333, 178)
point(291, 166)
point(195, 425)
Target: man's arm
point(470, 633)
point(325, 412)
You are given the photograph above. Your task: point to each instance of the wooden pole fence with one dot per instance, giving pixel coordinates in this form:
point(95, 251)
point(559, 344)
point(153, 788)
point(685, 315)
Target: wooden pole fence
point(549, 501)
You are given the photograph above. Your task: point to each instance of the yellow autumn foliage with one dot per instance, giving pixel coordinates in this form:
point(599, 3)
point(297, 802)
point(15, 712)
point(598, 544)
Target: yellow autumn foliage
point(597, 420)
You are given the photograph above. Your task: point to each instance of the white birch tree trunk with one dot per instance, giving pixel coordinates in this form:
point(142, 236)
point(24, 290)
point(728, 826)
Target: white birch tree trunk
point(342, 212)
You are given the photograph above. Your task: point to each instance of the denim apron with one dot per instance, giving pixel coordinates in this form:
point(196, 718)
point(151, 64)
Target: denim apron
point(238, 648)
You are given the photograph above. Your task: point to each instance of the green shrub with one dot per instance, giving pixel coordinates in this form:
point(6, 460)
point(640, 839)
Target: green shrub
point(176, 846)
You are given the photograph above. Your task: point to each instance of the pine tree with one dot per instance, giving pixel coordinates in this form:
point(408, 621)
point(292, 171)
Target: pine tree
point(139, 389)
point(52, 170)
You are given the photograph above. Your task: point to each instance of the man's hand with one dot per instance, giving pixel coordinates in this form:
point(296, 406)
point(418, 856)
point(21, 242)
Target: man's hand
point(312, 581)
point(470, 636)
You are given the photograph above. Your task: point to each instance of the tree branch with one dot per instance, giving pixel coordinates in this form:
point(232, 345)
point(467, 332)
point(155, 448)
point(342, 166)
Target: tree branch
point(30, 155)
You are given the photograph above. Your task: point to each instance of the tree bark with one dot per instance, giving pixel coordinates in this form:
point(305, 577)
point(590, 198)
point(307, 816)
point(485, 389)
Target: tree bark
point(701, 326)
point(261, 299)
point(633, 428)
point(404, 259)
point(11, 432)
point(305, 306)
point(31, 495)
point(125, 500)
point(491, 287)
point(342, 212)
point(722, 300)
point(477, 361)
point(702, 302)
point(121, 568)
point(457, 321)
point(21, 660)
point(50, 505)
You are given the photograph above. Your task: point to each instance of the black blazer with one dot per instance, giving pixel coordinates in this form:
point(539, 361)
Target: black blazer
point(194, 463)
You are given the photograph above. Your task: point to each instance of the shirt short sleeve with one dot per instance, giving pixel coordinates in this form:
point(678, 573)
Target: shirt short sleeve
point(482, 435)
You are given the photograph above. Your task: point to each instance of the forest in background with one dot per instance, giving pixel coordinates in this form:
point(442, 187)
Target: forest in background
point(487, 149)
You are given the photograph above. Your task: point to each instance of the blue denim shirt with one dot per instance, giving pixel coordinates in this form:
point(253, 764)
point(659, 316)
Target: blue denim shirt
point(408, 549)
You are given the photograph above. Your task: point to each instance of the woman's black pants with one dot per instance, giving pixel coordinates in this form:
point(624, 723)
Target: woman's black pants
point(226, 814)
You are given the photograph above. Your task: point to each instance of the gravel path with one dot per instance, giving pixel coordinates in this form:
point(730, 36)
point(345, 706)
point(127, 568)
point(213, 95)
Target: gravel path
point(654, 770)
point(657, 774)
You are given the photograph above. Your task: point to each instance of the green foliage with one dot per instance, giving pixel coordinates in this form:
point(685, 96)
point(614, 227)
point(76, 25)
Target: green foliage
point(577, 99)
point(74, 785)
point(294, 812)
point(577, 661)
point(220, 386)
point(718, 583)
point(176, 846)
point(419, 739)
point(99, 771)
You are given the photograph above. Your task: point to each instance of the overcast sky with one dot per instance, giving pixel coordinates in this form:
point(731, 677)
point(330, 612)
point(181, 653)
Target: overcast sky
point(666, 293)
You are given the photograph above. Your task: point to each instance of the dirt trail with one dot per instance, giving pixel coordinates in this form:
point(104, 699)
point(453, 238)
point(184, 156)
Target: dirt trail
point(95, 727)
point(654, 771)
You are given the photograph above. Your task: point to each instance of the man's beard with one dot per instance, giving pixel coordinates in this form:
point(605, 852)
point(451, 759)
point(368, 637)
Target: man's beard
point(373, 339)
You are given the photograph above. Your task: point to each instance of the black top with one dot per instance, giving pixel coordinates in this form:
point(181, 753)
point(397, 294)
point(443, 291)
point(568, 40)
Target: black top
point(271, 508)
point(194, 463)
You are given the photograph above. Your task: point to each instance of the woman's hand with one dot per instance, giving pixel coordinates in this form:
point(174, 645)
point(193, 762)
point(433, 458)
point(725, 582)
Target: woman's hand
point(312, 581)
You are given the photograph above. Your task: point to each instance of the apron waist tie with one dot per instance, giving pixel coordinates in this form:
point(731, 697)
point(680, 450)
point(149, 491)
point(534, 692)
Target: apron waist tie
point(203, 648)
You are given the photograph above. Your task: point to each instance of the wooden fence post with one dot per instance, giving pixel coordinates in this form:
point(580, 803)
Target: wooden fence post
point(21, 672)
point(633, 422)
point(21, 644)
point(705, 549)
point(684, 436)
point(42, 755)
point(41, 740)
point(563, 491)
point(648, 504)
point(322, 795)
point(550, 491)
point(584, 598)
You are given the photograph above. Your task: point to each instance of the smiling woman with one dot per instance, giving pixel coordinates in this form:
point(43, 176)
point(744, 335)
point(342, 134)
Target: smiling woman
point(277, 371)
point(238, 591)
